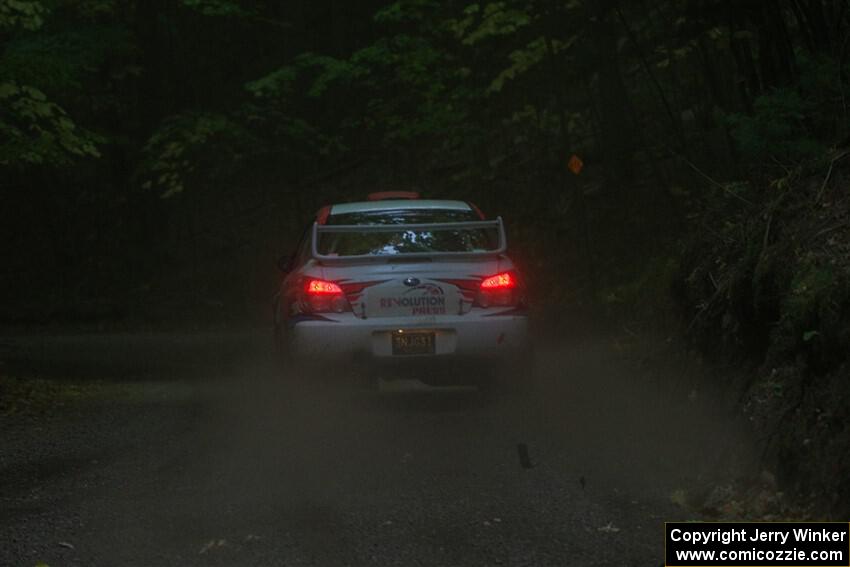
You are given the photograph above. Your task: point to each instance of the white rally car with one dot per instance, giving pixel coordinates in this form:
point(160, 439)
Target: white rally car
point(423, 286)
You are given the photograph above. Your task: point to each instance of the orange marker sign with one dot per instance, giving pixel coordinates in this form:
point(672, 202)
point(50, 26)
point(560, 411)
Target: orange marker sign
point(575, 164)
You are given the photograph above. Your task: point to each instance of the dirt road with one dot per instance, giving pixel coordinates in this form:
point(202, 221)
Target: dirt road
point(203, 449)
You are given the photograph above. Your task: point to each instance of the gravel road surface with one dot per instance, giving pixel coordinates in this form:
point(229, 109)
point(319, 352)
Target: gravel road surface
point(205, 449)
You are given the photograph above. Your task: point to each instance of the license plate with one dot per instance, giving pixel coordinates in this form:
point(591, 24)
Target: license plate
point(413, 343)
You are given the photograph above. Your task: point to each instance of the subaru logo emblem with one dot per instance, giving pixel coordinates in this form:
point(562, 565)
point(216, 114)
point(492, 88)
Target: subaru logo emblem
point(411, 282)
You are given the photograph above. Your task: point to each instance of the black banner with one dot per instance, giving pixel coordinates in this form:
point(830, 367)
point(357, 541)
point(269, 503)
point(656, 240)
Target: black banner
point(757, 544)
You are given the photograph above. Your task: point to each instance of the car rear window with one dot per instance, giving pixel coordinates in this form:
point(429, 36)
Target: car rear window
point(406, 241)
point(404, 216)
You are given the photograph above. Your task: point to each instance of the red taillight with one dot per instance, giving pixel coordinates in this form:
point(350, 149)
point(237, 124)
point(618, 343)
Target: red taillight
point(321, 287)
point(500, 281)
point(324, 297)
point(500, 290)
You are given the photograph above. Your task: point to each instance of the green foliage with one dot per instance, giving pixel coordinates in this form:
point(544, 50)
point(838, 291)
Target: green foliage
point(433, 102)
point(44, 71)
point(190, 146)
point(528, 57)
point(290, 135)
point(222, 8)
point(406, 11)
point(813, 309)
point(282, 92)
point(429, 99)
point(494, 20)
point(92, 10)
point(808, 287)
point(277, 84)
point(23, 14)
point(778, 127)
point(521, 61)
point(62, 61)
point(320, 71)
point(328, 72)
point(35, 131)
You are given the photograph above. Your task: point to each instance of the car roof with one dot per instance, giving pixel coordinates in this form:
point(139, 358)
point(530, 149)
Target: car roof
point(397, 204)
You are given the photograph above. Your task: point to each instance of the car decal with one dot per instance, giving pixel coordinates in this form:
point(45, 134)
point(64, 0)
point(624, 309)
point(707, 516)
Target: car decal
point(468, 287)
point(428, 288)
point(354, 293)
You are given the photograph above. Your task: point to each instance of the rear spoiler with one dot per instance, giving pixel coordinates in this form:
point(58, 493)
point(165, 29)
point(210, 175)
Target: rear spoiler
point(497, 224)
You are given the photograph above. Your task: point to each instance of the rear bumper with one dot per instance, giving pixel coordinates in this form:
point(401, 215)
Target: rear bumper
point(470, 337)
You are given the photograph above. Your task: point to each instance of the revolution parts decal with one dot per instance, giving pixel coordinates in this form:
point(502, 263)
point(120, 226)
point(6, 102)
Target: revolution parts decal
point(431, 301)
